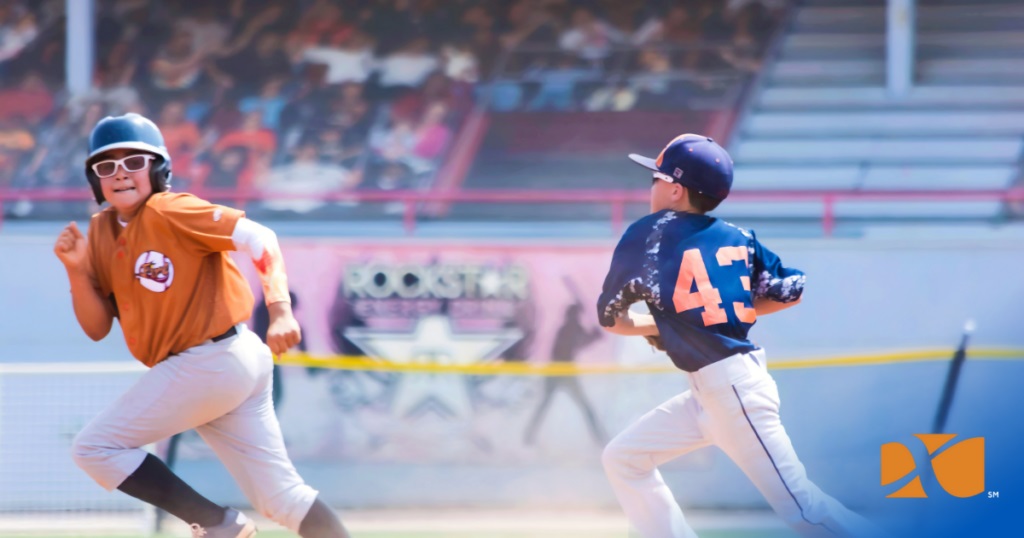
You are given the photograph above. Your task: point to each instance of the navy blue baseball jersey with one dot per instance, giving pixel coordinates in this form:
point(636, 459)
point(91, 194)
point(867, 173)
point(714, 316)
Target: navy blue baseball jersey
point(699, 276)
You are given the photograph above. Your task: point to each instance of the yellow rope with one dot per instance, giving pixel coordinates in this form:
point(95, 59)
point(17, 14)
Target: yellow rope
point(351, 362)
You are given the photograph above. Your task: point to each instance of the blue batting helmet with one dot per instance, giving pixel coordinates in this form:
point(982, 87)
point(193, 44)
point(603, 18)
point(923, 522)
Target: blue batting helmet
point(694, 161)
point(130, 131)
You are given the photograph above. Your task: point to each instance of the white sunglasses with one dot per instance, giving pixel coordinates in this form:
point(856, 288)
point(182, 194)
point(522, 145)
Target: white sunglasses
point(664, 177)
point(131, 163)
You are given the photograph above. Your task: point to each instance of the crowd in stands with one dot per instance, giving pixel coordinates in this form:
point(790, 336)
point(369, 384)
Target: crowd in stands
point(320, 96)
point(632, 54)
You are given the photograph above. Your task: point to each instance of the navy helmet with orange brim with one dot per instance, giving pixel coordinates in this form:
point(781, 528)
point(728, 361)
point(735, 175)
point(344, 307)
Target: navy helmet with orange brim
point(693, 161)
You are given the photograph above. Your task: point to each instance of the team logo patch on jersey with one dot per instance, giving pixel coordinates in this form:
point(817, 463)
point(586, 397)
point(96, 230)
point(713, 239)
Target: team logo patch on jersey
point(154, 271)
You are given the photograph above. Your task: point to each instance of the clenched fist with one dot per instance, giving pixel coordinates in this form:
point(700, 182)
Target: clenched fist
point(72, 248)
point(283, 333)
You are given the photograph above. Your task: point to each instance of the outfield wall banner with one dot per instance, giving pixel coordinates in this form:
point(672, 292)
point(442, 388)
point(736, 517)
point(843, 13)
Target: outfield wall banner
point(449, 306)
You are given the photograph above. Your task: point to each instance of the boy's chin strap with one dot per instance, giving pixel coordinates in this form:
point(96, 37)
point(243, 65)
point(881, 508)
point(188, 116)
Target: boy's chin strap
point(261, 244)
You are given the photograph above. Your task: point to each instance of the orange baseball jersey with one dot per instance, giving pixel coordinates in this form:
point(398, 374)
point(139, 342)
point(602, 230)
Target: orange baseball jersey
point(172, 281)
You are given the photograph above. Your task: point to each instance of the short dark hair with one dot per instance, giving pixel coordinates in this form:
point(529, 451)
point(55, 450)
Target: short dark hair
point(701, 202)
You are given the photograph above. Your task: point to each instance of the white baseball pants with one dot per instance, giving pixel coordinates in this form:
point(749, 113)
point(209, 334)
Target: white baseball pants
point(223, 390)
point(733, 404)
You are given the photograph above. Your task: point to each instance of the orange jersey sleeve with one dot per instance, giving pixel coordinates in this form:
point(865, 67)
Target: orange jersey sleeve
point(203, 226)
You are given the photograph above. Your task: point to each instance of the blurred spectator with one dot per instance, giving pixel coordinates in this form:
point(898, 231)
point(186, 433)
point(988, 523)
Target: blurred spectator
point(349, 111)
point(743, 52)
point(775, 7)
point(16, 142)
point(460, 63)
point(557, 85)
point(409, 66)
point(177, 66)
point(62, 149)
point(333, 149)
point(181, 137)
point(113, 88)
point(755, 21)
point(432, 136)
point(229, 169)
point(614, 97)
point(351, 61)
point(208, 33)
point(260, 141)
point(589, 37)
point(654, 85)
point(269, 103)
point(677, 27)
point(503, 95)
point(411, 106)
point(526, 25)
point(409, 150)
point(394, 144)
point(624, 18)
point(712, 23)
point(16, 32)
point(308, 176)
point(481, 38)
point(322, 24)
point(347, 116)
point(305, 109)
point(251, 58)
point(30, 99)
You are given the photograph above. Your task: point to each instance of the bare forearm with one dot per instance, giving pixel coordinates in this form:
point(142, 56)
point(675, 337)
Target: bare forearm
point(765, 306)
point(93, 311)
point(279, 309)
point(261, 244)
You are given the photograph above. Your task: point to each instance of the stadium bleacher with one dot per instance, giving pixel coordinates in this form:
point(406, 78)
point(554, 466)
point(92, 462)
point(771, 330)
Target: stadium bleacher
point(271, 101)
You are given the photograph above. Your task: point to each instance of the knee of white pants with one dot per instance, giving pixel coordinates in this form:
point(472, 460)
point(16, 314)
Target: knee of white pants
point(83, 452)
point(620, 460)
point(91, 455)
point(287, 507)
point(104, 461)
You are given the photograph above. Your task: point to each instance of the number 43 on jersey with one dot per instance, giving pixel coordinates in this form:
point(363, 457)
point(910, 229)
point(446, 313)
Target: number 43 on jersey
point(692, 269)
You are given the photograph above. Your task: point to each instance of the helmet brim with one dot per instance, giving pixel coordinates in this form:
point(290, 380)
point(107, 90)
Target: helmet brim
point(646, 162)
point(130, 145)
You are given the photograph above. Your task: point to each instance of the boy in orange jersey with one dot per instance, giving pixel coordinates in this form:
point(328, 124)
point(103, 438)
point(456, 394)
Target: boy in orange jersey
point(158, 262)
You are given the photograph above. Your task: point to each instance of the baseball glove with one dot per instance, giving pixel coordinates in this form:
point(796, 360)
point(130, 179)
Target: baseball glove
point(655, 342)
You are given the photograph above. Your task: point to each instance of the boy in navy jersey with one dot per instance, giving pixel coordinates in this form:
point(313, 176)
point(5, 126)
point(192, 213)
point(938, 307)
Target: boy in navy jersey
point(705, 282)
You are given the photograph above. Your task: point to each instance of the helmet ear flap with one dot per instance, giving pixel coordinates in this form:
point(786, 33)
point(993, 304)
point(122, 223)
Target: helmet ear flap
point(94, 182)
point(160, 175)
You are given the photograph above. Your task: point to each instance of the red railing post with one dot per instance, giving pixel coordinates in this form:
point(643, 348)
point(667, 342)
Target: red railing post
point(618, 215)
point(828, 218)
point(412, 201)
point(409, 216)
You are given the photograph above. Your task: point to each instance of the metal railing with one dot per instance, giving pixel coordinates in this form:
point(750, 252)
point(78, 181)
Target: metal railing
point(617, 200)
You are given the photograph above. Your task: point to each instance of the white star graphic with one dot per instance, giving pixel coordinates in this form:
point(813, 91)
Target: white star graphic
point(490, 283)
point(433, 342)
